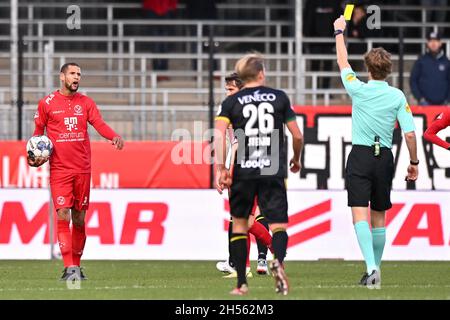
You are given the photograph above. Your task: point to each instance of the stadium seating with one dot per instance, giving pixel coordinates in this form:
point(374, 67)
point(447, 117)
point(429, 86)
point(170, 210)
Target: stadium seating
point(115, 52)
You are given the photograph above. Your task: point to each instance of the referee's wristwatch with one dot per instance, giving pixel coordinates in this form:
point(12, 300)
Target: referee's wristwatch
point(414, 163)
point(338, 31)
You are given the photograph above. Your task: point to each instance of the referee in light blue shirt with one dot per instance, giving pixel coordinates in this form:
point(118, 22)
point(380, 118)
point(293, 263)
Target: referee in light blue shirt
point(376, 107)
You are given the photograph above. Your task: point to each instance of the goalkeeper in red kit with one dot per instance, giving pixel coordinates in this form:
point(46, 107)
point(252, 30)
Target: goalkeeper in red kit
point(64, 115)
point(442, 121)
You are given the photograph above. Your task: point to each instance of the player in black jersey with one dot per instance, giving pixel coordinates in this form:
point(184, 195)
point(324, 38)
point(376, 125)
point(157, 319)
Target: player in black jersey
point(257, 224)
point(258, 115)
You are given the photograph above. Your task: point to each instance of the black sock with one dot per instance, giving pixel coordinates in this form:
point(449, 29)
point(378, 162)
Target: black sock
point(279, 243)
point(230, 233)
point(262, 249)
point(238, 244)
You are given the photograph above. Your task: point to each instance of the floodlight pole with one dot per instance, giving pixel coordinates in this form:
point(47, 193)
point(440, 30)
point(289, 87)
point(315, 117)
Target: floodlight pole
point(14, 31)
point(20, 87)
point(211, 95)
point(299, 61)
point(401, 48)
point(48, 60)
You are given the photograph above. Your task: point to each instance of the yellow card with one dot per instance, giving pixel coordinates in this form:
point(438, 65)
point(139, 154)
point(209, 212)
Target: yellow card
point(348, 11)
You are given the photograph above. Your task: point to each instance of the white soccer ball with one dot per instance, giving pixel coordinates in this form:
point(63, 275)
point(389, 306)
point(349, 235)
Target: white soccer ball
point(39, 146)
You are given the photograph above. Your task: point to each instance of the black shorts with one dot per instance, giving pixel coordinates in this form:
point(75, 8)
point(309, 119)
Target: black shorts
point(369, 178)
point(271, 196)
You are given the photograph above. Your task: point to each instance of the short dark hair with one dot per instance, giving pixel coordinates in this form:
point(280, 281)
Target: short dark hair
point(67, 65)
point(234, 77)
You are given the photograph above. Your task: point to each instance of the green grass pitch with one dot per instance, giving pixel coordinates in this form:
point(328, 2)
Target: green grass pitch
point(180, 280)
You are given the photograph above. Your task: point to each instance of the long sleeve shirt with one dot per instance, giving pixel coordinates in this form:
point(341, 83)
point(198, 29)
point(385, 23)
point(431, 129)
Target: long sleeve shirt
point(66, 118)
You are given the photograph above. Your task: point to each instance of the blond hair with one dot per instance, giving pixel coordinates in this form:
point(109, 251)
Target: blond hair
point(379, 63)
point(249, 66)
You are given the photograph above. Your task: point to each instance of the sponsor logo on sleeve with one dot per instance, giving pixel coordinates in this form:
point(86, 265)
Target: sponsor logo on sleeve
point(60, 200)
point(408, 109)
point(49, 98)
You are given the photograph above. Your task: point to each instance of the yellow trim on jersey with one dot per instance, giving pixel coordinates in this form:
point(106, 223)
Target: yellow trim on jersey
point(278, 230)
point(238, 238)
point(259, 217)
point(223, 118)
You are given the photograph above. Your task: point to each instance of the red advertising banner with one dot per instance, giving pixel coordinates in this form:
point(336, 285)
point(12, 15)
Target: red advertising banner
point(174, 164)
point(167, 164)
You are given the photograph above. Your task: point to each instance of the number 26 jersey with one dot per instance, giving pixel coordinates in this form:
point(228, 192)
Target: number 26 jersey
point(258, 116)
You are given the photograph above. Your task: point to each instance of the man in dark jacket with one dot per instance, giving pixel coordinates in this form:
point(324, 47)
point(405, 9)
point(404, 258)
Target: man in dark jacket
point(430, 76)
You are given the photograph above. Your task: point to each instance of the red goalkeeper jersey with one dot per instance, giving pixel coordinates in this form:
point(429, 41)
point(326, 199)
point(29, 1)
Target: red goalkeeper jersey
point(441, 122)
point(66, 119)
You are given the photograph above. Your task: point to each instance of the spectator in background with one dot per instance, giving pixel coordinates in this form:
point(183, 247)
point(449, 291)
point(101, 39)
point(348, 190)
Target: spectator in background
point(430, 76)
point(159, 9)
point(320, 13)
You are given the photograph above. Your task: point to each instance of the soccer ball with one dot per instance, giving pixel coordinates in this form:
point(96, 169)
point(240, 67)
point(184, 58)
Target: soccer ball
point(39, 146)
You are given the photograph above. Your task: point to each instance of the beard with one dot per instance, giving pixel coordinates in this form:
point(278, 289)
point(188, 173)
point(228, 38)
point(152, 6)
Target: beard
point(70, 86)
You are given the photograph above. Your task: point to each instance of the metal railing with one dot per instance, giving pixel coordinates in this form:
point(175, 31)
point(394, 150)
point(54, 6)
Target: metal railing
point(268, 11)
point(147, 104)
point(122, 40)
point(150, 104)
point(280, 65)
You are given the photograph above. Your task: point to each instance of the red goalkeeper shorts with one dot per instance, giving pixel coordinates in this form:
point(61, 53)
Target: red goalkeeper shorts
point(70, 190)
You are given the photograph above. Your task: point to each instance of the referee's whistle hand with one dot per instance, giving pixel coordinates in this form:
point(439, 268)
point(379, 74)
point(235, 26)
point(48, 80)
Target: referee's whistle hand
point(295, 166)
point(413, 173)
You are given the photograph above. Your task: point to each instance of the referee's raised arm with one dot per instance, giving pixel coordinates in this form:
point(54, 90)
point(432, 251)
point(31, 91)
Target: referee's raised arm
point(341, 50)
point(351, 83)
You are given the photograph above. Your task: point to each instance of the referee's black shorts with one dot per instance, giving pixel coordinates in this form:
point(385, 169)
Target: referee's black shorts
point(272, 198)
point(369, 178)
